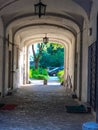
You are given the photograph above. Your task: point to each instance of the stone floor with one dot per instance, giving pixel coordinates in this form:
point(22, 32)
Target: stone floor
point(41, 108)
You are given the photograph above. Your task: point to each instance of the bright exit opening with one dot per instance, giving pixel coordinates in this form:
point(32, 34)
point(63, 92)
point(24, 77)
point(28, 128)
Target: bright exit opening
point(46, 63)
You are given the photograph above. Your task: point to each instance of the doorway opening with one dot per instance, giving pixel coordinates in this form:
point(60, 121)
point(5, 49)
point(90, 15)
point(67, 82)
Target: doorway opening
point(46, 63)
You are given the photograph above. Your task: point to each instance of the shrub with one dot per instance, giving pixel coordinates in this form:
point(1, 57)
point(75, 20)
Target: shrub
point(30, 73)
point(60, 75)
point(39, 73)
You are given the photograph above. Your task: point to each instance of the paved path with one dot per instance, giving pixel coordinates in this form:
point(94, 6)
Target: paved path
point(53, 80)
point(41, 108)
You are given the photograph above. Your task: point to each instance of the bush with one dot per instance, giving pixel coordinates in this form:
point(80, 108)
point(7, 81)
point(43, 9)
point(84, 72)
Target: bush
point(60, 75)
point(39, 73)
point(30, 73)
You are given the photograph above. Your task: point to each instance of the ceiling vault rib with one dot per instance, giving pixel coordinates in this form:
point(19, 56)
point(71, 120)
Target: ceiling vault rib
point(43, 24)
point(7, 4)
point(48, 14)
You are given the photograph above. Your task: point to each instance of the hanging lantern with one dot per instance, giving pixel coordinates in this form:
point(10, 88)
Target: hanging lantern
point(40, 9)
point(45, 40)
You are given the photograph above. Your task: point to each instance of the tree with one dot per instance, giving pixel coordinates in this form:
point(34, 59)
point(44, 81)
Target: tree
point(38, 54)
point(52, 56)
point(44, 59)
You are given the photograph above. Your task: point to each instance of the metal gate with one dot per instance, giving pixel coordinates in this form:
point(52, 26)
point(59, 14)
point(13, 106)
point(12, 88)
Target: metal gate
point(92, 75)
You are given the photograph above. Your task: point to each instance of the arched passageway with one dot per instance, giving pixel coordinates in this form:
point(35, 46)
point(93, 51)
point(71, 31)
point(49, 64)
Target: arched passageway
point(30, 29)
point(49, 60)
point(71, 23)
point(24, 28)
point(55, 34)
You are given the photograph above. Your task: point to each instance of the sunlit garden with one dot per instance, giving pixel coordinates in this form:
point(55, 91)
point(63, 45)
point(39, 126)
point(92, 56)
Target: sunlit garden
point(46, 60)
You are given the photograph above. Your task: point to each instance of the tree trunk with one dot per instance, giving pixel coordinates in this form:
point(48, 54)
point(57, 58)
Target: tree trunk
point(45, 82)
point(37, 57)
point(36, 64)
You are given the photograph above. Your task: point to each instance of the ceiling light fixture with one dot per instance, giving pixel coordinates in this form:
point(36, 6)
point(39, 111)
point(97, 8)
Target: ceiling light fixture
point(45, 39)
point(40, 9)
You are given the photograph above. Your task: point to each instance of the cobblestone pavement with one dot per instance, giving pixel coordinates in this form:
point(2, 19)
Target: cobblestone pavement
point(41, 108)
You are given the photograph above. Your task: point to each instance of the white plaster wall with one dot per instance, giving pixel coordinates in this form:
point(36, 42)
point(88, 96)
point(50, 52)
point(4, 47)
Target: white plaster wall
point(65, 61)
point(15, 74)
point(1, 52)
point(71, 60)
point(6, 69)
point(85, 39)
point(7, 48)
point(20, 68)
point(15, 70)
point(16, 79)
point(26, 65)
point(10, 39)
point(85, 62)
point(78, 64)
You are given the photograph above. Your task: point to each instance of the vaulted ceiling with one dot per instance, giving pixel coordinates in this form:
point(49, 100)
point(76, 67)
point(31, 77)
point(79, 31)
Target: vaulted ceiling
point(63, 17)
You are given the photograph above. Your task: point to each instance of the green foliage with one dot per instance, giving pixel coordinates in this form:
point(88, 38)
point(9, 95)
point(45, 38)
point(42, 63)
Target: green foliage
point(52, 56)
point(43, 62)
point(39, 73)
point(54, 46)
point(60, 75)
point(32, 67)
point(30, 73)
